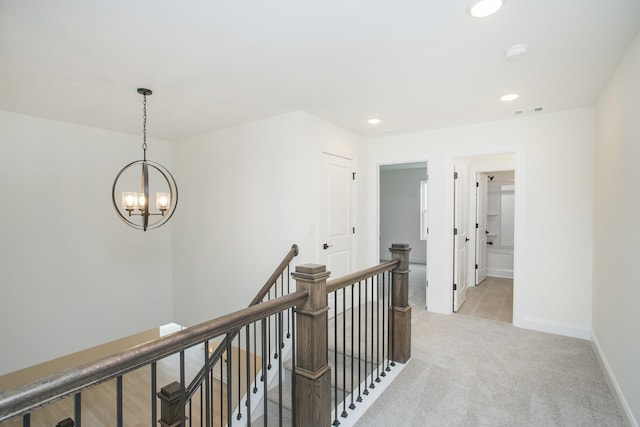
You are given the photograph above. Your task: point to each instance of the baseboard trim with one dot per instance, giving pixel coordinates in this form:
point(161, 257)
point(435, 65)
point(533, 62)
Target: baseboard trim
point(553, 327)
point(498, 272)
point(611, 380)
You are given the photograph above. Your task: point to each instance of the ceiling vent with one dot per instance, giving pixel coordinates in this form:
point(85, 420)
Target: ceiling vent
point(528, 111)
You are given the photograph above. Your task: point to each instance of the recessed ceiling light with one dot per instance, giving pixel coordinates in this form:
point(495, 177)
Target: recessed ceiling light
point(509, 97)
point(485, 8)
point(373, 121)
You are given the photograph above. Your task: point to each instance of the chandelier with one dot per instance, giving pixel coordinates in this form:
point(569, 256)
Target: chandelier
point(134, 207)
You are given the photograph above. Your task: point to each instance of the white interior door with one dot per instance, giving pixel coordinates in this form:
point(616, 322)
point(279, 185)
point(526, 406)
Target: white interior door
point(482, 186)
point(460, 236)
point(336, 218)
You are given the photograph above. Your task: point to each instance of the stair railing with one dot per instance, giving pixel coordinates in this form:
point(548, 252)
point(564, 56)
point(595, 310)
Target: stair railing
point(311, 392)
point(24, 399)
point(264, 292)
point(367, 307)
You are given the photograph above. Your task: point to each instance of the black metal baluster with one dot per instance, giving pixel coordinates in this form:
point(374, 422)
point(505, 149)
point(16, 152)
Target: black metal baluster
point(207, 390)
point(222, 359)
point(391, 320)
point(293, 364)
point(351, 388)
point(281, 335)
point(77, 410)
point(239, 416)
point(265, 354)
point(212, 402)
point(154, 398)
point(335, 356)
point(190, 417)
point(278, 343)
point(372, 385)
point(119, 419)
point(384, 325)
point(344, 353)
point(378, 328)
point(359, 399)
point(268, 340)
point(201, 405)
point(280, 330)
point(366, 318)
point(290, 311)
point(26, 420)
point(229, 382)
point(247, 330)
point(255, 360)
point(183, 416)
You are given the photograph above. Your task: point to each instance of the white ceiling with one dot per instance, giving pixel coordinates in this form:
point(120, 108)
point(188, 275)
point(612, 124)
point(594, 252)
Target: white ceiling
point(416, 64)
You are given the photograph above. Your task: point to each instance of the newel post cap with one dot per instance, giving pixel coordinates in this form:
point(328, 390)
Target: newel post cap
point(310, 272)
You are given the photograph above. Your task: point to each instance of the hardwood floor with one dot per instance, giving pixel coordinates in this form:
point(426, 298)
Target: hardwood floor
point(491, 299)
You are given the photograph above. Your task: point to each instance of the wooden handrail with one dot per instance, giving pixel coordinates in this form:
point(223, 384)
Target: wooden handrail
point(293, 252)
point(350, 279)
point(27, 397)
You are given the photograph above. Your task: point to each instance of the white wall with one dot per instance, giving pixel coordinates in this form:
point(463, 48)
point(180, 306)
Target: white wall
point(616, 288)
point(249, 193)
point(73, 275)
point(554, 167)
point(400, 212)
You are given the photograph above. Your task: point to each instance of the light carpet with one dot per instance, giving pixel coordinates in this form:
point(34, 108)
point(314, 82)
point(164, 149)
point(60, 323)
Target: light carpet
point(468, 371)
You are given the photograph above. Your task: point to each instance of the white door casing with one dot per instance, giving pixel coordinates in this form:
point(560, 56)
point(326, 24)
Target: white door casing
point(482, 186)
point(460, 237)
point(336, 218)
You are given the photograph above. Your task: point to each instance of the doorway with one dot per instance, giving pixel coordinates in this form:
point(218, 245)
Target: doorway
point(403, 213)
point(490, 248)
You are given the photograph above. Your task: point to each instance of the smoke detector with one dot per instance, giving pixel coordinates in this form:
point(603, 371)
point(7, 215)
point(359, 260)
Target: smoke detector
point(516, 52)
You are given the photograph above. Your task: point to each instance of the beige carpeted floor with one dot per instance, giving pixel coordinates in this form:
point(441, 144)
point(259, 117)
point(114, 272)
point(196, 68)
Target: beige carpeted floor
point(472, 371)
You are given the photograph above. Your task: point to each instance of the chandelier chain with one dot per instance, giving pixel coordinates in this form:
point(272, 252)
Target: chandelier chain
point(144, 126)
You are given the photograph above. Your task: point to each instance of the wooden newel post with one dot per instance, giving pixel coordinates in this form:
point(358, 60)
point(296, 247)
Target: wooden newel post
point(312, 400)
point(169, 397)
point(400, 311)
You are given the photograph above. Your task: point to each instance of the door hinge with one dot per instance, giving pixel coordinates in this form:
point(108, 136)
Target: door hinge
point(455, 175)
point(354, 230)
point(455, 287)
point(476, 225)
point(354, 175)
point(455, 231)
point(477, 184)
point(476, 266)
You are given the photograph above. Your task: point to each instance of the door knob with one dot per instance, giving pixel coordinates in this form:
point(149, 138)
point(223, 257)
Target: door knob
point(466, 239)
point(325, 246)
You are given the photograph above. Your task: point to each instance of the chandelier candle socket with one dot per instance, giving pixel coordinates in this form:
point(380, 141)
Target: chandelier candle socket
point(134, 208)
